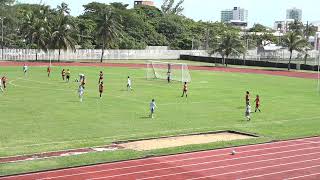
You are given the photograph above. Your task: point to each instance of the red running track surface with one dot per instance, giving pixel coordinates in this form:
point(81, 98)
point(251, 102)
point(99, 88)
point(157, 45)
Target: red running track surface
point(290, 160)
point(204, 68)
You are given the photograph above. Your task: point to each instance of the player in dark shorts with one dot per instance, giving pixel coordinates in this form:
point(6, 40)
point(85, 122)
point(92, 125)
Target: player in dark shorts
point(100, 77)
point(168, 76)
point(63, 74)
point(68, 73)
point(257, 101)
point(4, 82)
point(185, 89)
point(101, 89)
point(49, 71)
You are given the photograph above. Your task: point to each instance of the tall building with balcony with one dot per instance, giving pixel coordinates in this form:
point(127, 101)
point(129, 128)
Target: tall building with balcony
point(294, 13)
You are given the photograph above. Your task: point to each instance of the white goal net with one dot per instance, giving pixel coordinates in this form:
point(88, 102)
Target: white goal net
point(161, 70)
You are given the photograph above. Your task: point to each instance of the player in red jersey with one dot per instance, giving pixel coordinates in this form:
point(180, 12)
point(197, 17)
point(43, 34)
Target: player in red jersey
point(257, 101)
point(101, 88)
point(100, 77)
point(4, 82)
point(49, 71)
point(63, 74)
point(185, 89)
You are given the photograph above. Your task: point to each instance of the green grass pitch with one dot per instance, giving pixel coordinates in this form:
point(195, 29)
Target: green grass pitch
point(41, 114)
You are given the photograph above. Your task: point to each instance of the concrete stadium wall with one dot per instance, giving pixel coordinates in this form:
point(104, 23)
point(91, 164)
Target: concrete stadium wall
point(242, 62)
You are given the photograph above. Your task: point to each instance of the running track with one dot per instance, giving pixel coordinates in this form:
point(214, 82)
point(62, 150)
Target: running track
point(296, 159)
point(204, 68)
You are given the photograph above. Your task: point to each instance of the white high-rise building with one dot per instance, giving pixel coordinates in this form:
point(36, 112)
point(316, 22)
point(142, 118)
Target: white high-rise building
point(294, 13)
point(240, 14)
point(235, 16)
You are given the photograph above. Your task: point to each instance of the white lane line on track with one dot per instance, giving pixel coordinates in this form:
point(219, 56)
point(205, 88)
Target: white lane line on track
point(299, 177)
point(265, 167)
point(181, 160)
point(189, 165)
point(185, 154)
point(279, 172)
point(227, 166)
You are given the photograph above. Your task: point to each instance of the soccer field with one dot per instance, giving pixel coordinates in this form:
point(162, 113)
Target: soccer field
point(40, 114)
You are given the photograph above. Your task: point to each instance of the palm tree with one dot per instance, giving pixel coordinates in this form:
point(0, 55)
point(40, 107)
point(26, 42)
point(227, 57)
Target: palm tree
point(108, 28)
point(62, 34)
point(229, 44)
point(294, 42)
point(36, 31)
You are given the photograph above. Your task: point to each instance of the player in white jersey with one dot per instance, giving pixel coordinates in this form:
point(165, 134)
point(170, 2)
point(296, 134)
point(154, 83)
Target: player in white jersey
point(152, 107)
point(81, 92)
point(129, 84)
point(25, 69)
point(1, 89)
point(248, 111)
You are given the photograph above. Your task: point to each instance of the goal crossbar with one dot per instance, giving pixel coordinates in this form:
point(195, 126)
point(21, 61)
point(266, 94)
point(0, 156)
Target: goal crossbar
point(165, 70)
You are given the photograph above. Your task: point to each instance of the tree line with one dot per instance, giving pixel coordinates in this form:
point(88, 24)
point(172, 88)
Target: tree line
point(115, 26)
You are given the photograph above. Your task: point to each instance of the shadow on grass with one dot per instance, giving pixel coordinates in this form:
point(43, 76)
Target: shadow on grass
point(145, 117)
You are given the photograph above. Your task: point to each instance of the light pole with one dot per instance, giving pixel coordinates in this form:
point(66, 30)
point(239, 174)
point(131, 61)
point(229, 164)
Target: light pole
point(2, 41)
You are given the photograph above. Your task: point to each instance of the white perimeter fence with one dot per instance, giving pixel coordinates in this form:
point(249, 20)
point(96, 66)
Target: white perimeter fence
point(95, 54)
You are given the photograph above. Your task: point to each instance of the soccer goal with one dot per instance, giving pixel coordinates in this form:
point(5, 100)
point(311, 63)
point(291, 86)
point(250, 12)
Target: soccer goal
point(161, 70)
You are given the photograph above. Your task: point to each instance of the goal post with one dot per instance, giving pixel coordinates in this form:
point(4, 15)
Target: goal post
point(161, 70)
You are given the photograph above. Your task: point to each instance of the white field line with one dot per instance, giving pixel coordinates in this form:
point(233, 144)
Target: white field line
point(187, 159)
point(187, 154)
point(299, 177)
point(216, 167)
point(159, 132)
point(279, 172)
point(265, 167)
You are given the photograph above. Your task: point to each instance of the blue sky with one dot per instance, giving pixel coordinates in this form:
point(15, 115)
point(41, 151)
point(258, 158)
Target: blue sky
point(260, 11)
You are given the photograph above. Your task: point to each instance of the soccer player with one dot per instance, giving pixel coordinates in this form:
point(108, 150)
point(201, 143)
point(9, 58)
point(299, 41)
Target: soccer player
point(49, 71)
point(185, 90)
point(257, 101)
point(1, 89)
point(247, 97)
point(129, 84)
point(4, 82)
point(169, 76)
point(82, 78)
point(100, 77)
point(248, 111)
point(25, 69)
point(81, 92)
point(152, 107)
point(68, 73)
point(63, 74)
point(101, 88)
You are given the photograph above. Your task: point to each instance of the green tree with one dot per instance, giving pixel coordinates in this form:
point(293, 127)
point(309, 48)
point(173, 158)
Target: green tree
point(119, 5)
point(168, 7)
point(35, 31)
point(229, 44)
point(297, 27)
point(62, 33)
point(294, 42)
point(258, 28)
point(108, 28)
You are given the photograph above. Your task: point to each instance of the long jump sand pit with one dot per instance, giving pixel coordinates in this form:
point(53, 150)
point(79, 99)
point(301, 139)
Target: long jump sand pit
point(169, 142)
